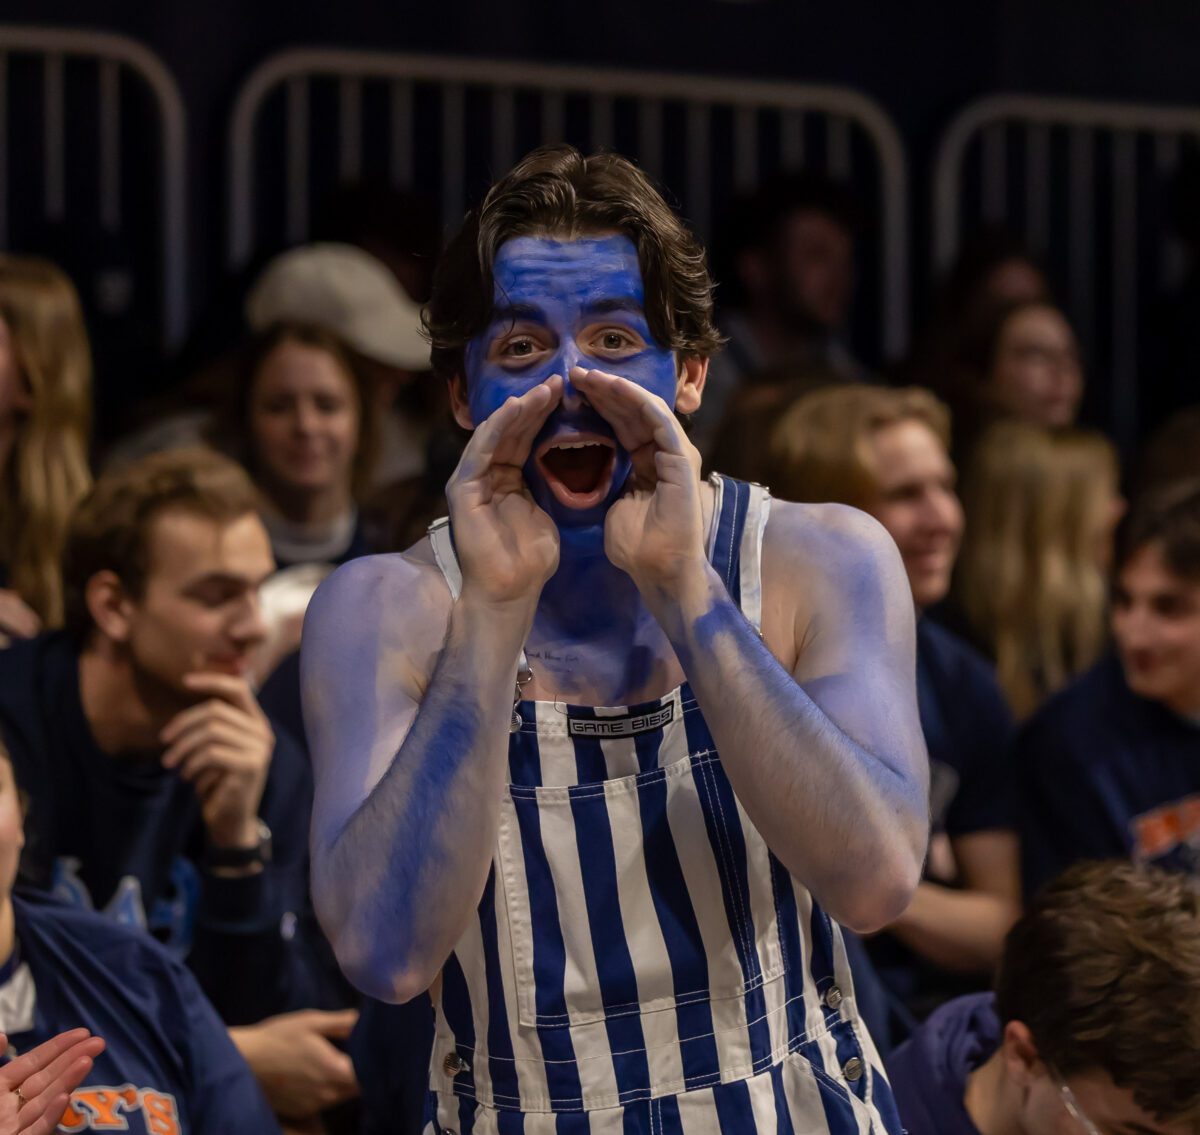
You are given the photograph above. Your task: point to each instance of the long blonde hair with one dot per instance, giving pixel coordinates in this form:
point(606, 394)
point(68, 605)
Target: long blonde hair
point(47, 471)
point(1031, 578)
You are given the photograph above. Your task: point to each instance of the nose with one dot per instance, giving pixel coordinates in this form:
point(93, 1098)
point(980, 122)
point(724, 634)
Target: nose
point(250, 627)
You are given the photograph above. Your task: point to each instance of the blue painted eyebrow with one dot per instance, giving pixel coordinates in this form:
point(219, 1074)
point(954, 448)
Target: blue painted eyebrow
point(513, 312)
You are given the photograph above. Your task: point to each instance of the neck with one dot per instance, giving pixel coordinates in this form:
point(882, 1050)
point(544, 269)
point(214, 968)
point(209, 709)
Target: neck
point(986, 1099)
point(8, 930)
point(1185, 704)
point(613, 606)
point(123, 714)
point(311, 506)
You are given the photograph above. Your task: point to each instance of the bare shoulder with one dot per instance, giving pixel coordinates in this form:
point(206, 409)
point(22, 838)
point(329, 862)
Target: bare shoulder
point(395, 600)
point(829, 564)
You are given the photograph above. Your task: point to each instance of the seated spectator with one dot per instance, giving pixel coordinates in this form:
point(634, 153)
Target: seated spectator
point(1094, 1026)
point(786, 273)
point(993, 271)
point(1111, 766)
point(1031, 586)
point(300, 423)
point(45, 417)
point(886, 451)
point(160, 793)
point(168, 1064)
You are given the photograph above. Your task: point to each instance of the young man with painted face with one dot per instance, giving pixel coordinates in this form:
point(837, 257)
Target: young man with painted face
point(516, 724)
point(1110, 767)
point(1094, 1028)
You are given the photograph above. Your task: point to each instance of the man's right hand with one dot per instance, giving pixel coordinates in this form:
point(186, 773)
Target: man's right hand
point(507, 545)
point(292, 1056)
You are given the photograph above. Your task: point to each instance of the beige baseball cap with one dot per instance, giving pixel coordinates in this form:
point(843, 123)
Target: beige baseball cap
point(347, 291)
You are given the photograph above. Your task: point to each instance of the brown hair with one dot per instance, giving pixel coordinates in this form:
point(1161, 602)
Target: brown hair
point(1104, 970)
point(110, 530)
point(556, 191)
point(231, 432)
point(819, 451)
point(47, 471)
point(1029, 579)
point(1168, 515)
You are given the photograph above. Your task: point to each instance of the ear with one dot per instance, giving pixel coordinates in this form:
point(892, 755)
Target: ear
point(693, 373)
point(1022, 1062)
point(109, 605)
point(459, 405)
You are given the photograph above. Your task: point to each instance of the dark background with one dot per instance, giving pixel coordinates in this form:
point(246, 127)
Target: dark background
point(922, 62)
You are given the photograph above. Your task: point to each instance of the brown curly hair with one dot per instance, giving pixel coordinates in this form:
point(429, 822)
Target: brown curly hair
point(557, 191)
point(1104, 970)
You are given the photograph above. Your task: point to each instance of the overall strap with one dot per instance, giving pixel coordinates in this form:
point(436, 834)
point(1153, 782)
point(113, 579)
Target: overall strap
point(441, 538)
point(735, 543)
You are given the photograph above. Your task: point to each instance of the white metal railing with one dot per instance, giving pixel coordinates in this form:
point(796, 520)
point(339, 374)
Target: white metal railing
point(700, 98)
point(1112, 151)
point(54, 47)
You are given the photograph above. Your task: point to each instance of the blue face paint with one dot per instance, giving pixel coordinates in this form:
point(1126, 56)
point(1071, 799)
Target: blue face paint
point(561, 304)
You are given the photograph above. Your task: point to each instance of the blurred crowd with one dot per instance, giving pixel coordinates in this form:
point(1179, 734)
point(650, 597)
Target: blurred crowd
point(155, 791)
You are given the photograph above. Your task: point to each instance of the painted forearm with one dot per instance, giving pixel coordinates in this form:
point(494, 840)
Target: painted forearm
point(846, 822)
point(396, 886)
point(961, 931)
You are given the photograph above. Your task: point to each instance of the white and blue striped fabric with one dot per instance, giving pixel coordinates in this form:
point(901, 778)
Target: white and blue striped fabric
point(640, 961)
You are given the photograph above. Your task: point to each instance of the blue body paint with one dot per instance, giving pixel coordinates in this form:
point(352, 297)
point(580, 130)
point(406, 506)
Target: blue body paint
point(560, 297)
point(561, 304)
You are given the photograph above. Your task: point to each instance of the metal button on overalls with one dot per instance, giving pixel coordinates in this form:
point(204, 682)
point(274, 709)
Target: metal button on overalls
point(833, 997)
point(853, 1069)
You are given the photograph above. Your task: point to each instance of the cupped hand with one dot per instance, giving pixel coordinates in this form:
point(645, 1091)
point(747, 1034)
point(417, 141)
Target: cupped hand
point(44, 1077)
point(507, 545)
point(655, 531)
point(17, 618)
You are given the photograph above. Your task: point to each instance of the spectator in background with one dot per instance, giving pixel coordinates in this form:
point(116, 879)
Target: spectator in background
point(45, 414)
point(160, 792)
point(993, 271)
point(1111, 766)
point(168, 1065)
point(886, 451)
point(1032, 582)
point(1173, 452)
point(300, 423)
point(1094, 1026)
point(787, 273)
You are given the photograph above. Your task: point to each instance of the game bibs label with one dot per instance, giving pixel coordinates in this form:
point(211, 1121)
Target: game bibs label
point(627, 725)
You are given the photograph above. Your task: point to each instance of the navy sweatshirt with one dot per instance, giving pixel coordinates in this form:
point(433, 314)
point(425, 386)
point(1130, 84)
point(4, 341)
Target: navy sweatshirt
point(125, 836)
point(1106, 774)
point(169, 1067)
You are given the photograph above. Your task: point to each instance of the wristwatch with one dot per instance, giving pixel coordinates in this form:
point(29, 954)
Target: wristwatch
point(239, 858)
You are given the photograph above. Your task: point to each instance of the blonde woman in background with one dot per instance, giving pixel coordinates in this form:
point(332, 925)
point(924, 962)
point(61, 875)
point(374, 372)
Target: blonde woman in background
point(1031, 584)
point(45, 420)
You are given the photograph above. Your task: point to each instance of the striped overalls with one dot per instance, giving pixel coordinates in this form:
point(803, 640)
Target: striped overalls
point(640, 961)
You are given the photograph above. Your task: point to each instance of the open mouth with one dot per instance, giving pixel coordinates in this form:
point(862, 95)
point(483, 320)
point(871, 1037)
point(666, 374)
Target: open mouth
point(578, 468)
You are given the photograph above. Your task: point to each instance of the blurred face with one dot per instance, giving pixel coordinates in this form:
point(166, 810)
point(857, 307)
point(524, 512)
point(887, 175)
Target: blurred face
point(1156, 622)
point(200, 609)
point(304, 420)
point(814, 265)
point(1014, 280)
point(12, 828)
point(1036, 374)
point(561, 304)
point(917, 504)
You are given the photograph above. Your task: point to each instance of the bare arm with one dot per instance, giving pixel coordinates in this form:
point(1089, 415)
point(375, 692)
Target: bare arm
point(963, 930)
point(829, 760)
point(410, 741)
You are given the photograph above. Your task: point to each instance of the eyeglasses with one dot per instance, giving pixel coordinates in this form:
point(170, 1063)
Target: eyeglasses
point(1072, 1106)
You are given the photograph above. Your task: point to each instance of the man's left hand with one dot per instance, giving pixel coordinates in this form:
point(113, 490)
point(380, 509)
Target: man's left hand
point(655, 532)
point(223, 746)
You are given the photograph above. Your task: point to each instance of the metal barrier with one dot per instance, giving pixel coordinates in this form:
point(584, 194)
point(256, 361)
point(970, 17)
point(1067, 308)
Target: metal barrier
point(470, 119)
point(57, 53)
point(1082, 181)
